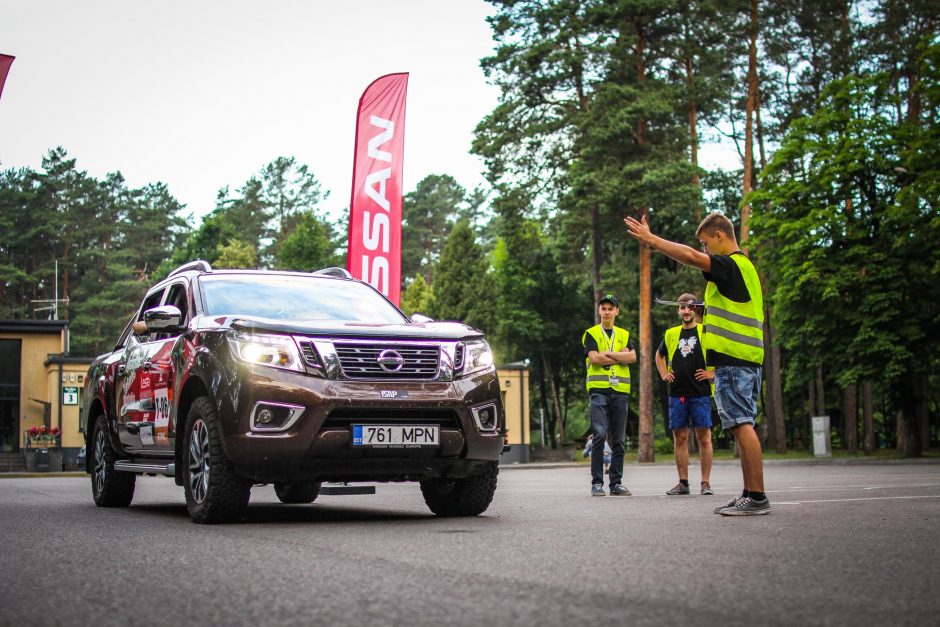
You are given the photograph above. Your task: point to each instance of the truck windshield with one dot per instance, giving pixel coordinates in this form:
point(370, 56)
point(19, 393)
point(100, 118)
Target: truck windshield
point(285, 297)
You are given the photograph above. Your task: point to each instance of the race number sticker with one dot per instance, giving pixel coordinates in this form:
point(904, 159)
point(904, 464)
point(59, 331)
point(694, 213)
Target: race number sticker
point(161, 409)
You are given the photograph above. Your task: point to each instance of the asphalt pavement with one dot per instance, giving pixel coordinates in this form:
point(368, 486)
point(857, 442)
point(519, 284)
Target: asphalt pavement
point(846, 544)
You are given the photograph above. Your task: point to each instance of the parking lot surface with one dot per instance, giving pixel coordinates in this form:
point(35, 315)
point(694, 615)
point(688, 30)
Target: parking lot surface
point(845, 544)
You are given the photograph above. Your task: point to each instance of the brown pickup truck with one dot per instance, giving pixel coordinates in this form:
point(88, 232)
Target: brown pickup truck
point(225, 379)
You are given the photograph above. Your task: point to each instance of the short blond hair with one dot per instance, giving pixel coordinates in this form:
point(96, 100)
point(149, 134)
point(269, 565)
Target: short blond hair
point(716, 222)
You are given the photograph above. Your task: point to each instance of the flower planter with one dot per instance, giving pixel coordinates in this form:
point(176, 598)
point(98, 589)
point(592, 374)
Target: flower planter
point(43, 459)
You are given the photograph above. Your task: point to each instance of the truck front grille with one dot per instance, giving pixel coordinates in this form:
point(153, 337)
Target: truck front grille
point(388, 361)
point(351, 416)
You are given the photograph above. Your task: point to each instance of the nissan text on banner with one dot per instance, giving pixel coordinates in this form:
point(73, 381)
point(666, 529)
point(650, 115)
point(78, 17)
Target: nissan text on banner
point(374, 253)
point(5, 62)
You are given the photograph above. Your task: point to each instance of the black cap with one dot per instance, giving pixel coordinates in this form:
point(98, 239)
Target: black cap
point(609, 298)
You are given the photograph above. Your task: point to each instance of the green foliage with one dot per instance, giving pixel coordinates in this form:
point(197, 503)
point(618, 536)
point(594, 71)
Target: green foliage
point(236, 254)
point(311, 245)
point(417, 296)
point(108, 240)
point(428, 215)
point(457, 291)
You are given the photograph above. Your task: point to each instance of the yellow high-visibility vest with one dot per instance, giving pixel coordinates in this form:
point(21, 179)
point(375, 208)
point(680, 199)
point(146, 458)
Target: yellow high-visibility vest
point(733, 328)
point(615, 377)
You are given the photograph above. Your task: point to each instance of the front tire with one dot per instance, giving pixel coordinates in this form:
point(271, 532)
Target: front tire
point(214, 493)
point(469, 496)
point(301, 492)
point(109, 487)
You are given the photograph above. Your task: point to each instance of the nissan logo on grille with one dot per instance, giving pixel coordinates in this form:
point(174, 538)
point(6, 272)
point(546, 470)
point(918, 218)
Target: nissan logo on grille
point(390, 361)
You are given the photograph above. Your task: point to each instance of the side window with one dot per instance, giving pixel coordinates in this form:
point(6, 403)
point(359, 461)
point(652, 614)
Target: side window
point(178, 298)
point(152, 300)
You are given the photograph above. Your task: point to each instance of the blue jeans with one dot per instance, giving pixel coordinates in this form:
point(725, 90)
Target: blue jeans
point(608, 418)
point(736, 392)
point(690, 411)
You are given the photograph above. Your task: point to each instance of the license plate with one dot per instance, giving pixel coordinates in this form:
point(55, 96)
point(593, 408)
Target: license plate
point(396, 436)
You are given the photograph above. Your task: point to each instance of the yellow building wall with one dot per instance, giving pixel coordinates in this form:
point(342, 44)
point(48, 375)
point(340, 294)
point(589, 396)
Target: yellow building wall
point(514, 386)
point(34, 347)
point(73, 375)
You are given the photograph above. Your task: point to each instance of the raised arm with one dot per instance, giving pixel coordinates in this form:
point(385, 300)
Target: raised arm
point(640, 230)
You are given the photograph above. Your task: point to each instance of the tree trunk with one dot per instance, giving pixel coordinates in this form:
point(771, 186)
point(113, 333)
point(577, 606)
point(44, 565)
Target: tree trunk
point(923, 412)
point(647, 449)
point(556, 399)
point(550, 419)
point(749, 122)
point(907, 399)
point(820, 392)
point(900, 429)
point(693, 142)
point(810, 412)
point(868, 411)
point(775, 382)
point(596, 259)
point(850, 418)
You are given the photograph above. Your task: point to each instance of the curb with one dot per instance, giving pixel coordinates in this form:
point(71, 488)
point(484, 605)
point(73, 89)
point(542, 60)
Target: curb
point(40, 475)
point(736, 462)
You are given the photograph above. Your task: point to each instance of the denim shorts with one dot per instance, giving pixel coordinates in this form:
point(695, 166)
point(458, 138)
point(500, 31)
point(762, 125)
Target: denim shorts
point(686, 411)
point(736, 392)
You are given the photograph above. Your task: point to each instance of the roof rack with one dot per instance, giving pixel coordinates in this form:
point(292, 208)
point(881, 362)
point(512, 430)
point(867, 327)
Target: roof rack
point(200, 264)
point(341, 273)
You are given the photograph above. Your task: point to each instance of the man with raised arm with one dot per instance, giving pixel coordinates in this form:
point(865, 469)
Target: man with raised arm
point(733, 338)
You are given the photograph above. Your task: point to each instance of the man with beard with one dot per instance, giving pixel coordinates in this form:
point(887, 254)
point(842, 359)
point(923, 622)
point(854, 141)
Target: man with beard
point(681, 363)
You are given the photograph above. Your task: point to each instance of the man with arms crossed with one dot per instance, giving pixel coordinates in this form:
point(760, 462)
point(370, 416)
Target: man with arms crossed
point(681, 363)
point(607, 354)
point(733, 324)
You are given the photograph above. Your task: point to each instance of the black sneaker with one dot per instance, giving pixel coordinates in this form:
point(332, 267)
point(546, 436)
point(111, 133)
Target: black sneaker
point(619, 490)
point(747, 507)
point(678, 489)
point(597, 490)
point(707, 488)
point(730, 503)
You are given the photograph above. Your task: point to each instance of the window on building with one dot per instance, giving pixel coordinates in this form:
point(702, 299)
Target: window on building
point(9, 395)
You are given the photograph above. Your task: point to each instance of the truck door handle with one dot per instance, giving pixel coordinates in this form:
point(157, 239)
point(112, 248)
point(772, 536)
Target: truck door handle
point(121, 370)
point(148, 365)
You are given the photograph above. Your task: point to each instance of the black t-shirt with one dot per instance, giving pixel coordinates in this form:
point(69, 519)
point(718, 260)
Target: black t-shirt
point(685, 361)
point(590, 344)
point(726, 275)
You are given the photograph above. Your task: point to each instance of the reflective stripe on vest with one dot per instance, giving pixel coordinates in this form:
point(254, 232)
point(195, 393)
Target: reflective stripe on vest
point(599, 377)
point(732, 328)
point(672, 343)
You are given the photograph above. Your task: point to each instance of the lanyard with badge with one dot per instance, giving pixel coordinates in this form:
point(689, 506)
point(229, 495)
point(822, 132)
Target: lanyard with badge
point(614, 379)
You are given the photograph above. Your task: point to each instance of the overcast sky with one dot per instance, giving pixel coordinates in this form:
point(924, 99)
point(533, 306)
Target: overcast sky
point(202, 94)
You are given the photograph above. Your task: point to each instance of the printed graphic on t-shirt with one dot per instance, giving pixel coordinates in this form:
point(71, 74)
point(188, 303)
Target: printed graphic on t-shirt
point(687, 345)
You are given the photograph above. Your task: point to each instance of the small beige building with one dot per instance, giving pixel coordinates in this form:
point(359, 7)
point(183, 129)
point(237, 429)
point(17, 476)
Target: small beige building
point(514, 387)
point(40, 386)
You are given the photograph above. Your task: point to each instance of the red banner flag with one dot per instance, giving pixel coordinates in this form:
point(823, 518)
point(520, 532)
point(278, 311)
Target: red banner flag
point(5, 62)
point(374, 253)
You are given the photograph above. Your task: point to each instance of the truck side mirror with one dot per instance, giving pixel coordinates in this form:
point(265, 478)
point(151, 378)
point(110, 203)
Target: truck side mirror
point(162, 318)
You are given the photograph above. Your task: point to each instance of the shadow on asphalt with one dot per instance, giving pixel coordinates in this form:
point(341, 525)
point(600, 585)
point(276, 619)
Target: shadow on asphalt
point(315, 513)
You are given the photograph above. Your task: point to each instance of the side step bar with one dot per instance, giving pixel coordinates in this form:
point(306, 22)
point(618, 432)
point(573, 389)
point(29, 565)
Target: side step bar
point(149, 468)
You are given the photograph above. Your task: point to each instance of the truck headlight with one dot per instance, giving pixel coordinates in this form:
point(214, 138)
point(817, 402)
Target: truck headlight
point(477, 357)
point(277, 351)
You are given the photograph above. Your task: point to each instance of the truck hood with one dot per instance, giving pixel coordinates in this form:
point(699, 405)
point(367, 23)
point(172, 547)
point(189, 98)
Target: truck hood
point(333, 330)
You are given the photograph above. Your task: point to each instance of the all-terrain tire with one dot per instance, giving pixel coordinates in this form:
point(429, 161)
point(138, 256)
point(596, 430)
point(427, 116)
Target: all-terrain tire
point(469, 496)
point(109, 487)
point(214, 492)
point(300, 492)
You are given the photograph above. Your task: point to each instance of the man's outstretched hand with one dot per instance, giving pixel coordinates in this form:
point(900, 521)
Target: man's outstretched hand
point(639, 229)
